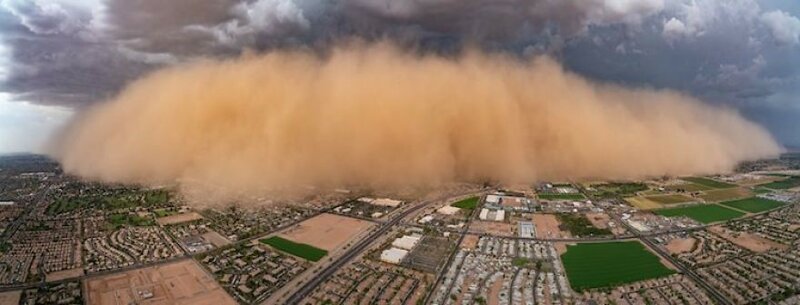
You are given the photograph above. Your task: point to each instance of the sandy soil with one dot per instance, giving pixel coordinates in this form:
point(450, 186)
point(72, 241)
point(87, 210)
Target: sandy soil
point(561, 247)
point(180, 283)
point(216, 239)
point(178, 218)
point(680, 245)
point(726, 194)
point(599, 220)
point(494, 292)
point(492, 227)
point(547, 227)
point(63, 274)
point(748, 241)
point(470, 242)
point(10, 298)
point(643, 203)
point(326, 231)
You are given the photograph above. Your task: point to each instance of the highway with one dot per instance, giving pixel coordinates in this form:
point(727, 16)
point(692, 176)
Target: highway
point(353, 252)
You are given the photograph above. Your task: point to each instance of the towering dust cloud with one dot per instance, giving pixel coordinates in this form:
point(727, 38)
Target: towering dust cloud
point(381, 117)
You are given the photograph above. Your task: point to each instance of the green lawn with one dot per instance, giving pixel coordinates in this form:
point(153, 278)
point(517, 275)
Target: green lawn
point(704, 213)
point(788, 183)
point(305, 251)
point(560, 196)
point(708, 182)
point(467, 204)
point(753, 204)
point(597, 265)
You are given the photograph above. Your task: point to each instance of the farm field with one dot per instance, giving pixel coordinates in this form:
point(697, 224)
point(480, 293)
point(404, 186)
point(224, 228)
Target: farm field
point(670, 199)
point(643, 203)
point(467, 204)
point(553, 196)
point(753, 204)
point(307, 252)
point(616, 189)
point(704, 213)
point(726, 194)
point(708, 182)
point(788, 183)
point(597, 265)
point(688, 187)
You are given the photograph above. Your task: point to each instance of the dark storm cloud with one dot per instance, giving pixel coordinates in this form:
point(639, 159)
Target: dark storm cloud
point(742, 53)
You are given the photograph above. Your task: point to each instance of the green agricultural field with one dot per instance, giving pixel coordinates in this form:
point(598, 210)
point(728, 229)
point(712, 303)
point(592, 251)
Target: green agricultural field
point(305, 251)
point(598, 265)
point(704, 213)
point(708, 182)
point(788, 183)
point(467, 204)
point(670, 199)
point(617, 189)
point(560, 196)
point(753, 204)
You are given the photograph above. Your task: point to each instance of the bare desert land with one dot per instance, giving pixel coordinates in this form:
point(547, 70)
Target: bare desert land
point(180, 283)
point(326, 231)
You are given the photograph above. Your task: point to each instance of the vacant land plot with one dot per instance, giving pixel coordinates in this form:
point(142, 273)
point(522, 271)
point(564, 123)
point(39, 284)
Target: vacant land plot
point(616, 189)
point(596, 265)
point(726, 194)
point(178, 218)
point(788, 183)
point(326, 231)
point(492, 227)
point(182, 283)
point(547, 226)
point(704, 213)
point(63, 274)
point(305, 251)
point(579, 225)
point(753, 204)
point(708, 182)
point(681, 245)
point(643, 203)
point(670, 199)
point(559, 196)
point(746, 240)
point(11, 297)
point(467, 204)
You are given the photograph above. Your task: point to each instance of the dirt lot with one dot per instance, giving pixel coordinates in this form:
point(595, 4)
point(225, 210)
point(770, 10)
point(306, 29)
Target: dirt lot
point(492, 227)
point(748, 241)
point(643, 203)
point(216, 239)
point(10, 298)
point(180, 283)
point(64, 274)
point(601, 220)
point(326, 231)
point(726, 194)
point(178, 218)
point(470, 242)
point(680, 245)
point(547, 226)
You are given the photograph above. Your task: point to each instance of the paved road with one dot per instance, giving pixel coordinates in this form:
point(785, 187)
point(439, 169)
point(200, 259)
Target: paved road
point(309, 286)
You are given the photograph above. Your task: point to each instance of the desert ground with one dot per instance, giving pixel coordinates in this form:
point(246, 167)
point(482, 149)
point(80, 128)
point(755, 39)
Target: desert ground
point(178, 218)
point(216, 239)
point(492, 227)
point(680, 245)
point(748, 241)
point(547, 227)
point(10, 298)
point(64, 274)
point(180, 283)
point(470, 242)
point(326, 231)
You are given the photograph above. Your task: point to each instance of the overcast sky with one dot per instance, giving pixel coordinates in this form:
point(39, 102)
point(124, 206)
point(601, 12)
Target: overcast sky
point(58, 56)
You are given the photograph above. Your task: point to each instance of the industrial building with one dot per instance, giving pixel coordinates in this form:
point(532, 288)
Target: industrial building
point(393, 255)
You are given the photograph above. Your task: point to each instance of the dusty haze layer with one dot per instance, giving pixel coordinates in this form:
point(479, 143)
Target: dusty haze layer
point(380, 117)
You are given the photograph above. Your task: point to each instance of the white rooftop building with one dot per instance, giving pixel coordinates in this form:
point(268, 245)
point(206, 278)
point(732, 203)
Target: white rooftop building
point(484, 214)
point(393, 255)
point(448, 210)
point(406, 242)
point(495, 199)
point(387, 202)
